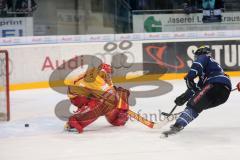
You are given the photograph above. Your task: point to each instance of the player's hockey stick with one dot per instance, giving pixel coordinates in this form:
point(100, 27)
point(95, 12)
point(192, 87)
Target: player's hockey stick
point(170, 113)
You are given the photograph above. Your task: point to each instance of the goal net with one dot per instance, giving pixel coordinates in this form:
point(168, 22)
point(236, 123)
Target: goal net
point(4, 86)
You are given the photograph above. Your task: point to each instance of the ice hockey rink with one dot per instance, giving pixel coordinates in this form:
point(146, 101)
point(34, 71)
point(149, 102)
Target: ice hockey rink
point(214, 135)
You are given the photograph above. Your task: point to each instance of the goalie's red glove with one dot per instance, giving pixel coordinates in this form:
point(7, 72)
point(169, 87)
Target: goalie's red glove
point(238, 86)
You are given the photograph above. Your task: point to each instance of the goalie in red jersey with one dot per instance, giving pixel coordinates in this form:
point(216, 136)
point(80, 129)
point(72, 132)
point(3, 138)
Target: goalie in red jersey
point(94, 95)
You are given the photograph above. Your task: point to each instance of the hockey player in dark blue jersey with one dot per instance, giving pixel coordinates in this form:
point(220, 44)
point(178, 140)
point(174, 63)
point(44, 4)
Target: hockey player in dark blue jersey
point(212, 89)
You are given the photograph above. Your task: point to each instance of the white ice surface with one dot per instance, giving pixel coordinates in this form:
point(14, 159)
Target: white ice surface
point(214, 135)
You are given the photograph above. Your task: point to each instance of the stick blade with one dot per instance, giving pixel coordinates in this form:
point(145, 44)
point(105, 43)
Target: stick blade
point(160, 124)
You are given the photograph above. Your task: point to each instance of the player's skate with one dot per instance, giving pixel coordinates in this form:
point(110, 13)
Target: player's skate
point(174, 129)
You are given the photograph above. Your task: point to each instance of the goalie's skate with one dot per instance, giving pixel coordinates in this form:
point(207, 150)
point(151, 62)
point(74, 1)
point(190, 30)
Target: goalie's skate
point(67, 127)
point(73, 125)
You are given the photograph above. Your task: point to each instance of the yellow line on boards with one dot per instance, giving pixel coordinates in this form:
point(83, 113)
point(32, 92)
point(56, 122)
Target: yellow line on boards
point(128, 79)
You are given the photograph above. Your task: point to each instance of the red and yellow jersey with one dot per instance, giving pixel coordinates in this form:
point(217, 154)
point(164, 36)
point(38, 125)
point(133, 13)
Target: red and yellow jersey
point(97, 83)
point(93, 82)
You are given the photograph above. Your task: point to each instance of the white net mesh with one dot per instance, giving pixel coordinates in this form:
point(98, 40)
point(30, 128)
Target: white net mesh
point(3, 87)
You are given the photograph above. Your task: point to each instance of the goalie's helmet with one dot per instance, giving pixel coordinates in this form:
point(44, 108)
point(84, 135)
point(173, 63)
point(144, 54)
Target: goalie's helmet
point(105, 67)
point(203, 50)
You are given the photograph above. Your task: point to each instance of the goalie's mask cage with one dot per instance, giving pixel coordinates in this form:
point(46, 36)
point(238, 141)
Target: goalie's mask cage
point(4, 86)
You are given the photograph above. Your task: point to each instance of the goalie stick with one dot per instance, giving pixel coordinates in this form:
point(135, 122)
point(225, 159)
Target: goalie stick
point(151, 124)
point(142, 120)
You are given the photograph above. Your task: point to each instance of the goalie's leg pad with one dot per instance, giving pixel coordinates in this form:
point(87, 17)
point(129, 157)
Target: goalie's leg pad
point(85, 115)
point(79, 124)
point(73, 123)
point(117, 117)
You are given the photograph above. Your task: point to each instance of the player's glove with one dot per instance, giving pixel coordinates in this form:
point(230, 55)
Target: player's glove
point(183, 98)
point(191, 84)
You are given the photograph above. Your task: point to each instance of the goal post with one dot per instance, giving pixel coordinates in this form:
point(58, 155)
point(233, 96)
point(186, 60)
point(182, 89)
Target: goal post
point(4, 86)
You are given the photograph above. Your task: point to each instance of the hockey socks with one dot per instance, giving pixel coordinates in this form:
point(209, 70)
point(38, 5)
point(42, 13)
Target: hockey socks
point(187, 116)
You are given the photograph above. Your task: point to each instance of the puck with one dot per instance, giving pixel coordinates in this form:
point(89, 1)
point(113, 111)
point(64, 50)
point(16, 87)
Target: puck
point(26, 125)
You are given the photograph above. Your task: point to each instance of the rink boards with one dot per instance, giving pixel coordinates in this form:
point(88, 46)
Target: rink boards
point(135, 57)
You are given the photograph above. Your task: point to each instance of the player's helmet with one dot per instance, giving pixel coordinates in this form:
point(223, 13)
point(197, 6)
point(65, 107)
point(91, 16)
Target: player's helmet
point(105, 67)
point(203, 50)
